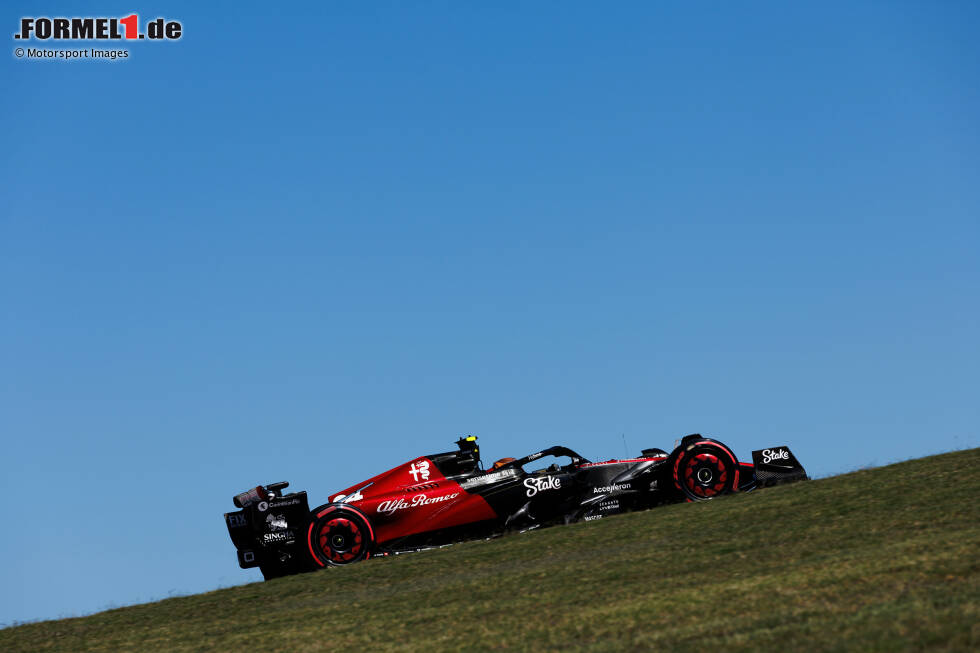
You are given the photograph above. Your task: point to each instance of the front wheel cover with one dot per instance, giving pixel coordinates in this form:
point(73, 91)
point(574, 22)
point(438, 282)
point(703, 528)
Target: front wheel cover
point(705, 470)
point(339, 535)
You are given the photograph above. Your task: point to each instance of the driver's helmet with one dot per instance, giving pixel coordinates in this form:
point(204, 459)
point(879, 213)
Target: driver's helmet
point(500, 463)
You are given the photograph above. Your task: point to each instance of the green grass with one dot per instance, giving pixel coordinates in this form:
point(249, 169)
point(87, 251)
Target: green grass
point(883, 559)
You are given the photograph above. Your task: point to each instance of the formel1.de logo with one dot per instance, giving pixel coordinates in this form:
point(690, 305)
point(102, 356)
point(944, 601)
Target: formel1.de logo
point(43, 28)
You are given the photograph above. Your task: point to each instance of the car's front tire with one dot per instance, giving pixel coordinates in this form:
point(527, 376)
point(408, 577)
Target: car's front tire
point(339, 535)
point(704, 469)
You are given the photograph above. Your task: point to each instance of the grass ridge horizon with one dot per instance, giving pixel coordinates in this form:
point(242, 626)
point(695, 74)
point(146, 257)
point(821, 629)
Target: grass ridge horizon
point(879, 558)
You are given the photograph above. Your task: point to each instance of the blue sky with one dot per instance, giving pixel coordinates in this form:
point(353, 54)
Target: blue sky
point(307, 245)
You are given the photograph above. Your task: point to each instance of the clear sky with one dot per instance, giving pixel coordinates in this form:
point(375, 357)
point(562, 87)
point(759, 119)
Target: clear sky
point(307, 243)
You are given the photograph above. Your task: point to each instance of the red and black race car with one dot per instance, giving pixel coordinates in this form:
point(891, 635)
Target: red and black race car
point(448, 497)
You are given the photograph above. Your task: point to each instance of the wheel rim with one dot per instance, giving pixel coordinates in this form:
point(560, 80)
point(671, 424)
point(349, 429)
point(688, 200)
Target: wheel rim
point(705, 475)
point(341, 540)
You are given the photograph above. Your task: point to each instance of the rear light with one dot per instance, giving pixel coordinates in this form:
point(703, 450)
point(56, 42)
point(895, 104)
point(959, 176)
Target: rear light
point(254, 495)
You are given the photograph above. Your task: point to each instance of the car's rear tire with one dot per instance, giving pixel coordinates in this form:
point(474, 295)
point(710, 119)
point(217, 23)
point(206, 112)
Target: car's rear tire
point(704, 469)
point(339, 535)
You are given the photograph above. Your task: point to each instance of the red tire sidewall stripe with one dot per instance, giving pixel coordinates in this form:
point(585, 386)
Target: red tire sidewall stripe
point(682, 455)
point(309, 542)
point(328, 509)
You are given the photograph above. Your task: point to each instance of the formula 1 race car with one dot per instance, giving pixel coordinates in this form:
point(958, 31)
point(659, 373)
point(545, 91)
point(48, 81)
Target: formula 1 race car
point(448, 497)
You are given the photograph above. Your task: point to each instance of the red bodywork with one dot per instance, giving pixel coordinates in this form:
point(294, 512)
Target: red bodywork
point(435, 502)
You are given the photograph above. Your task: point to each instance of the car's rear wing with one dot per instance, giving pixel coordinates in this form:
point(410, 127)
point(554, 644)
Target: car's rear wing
point(271, 532)
point(776, 465)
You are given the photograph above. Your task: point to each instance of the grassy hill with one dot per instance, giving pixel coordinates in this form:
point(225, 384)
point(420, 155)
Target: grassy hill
point(883, 559)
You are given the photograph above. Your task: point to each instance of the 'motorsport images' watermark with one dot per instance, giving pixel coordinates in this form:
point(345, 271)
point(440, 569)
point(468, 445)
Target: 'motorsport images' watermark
point(99, 29)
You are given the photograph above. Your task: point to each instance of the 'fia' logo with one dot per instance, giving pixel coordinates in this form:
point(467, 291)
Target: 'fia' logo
point(421, 468)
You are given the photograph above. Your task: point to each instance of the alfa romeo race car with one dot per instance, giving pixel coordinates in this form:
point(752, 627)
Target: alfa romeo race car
point(448, 497)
